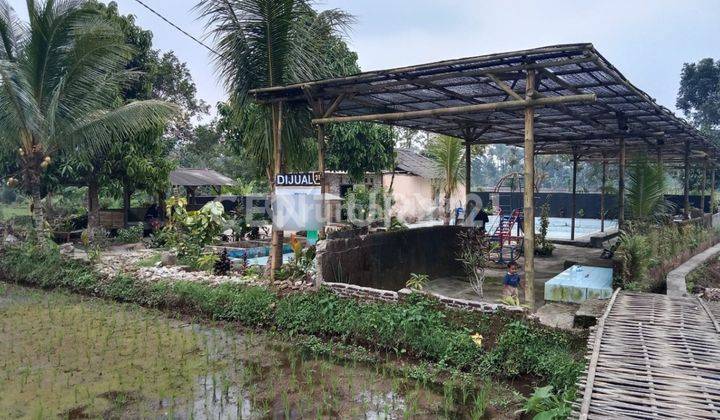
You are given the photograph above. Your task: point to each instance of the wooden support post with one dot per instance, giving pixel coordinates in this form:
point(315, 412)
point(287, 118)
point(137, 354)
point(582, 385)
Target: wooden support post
point(528, 195)
point(686, 181)
point(277, 235)
point(573, 203)
point(468, 170)
point(321, 169)
point(602, 195)
point(712, 190)
point(621, 185)
point(704, 185)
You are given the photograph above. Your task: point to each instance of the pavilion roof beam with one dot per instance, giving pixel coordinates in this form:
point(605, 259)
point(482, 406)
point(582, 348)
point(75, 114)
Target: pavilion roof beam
point(485, 107)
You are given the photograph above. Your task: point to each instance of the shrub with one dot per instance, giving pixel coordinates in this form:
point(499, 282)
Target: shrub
point(522, 349)
point(130, 235)
point(634, 254)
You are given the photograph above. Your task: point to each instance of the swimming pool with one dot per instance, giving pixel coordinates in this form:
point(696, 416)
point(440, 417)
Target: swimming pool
point(559, 227)
point(258, 255)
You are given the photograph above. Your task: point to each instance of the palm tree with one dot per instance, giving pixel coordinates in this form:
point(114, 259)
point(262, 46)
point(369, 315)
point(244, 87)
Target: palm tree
point(448, 153)
point(646, 190)
point(59, 80)
point(265, 43)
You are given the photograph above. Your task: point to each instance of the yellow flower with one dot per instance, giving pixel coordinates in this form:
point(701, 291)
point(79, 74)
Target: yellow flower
point(477, 338)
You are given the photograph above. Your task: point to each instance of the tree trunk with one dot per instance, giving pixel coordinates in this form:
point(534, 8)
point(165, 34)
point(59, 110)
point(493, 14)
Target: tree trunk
point(446, 209)
point(37, 208)
point(93, 207)
point(127, 194)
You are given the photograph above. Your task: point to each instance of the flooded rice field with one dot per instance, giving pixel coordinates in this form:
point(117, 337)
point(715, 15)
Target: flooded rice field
point(72, 357)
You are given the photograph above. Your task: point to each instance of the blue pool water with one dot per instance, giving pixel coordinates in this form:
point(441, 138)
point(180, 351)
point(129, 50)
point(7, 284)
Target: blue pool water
point(260, 251)
point(258, 255)
point(559, 227)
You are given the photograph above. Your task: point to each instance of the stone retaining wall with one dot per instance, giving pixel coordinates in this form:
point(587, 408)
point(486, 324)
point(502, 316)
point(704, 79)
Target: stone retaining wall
point(378, 295)
point(364, 293)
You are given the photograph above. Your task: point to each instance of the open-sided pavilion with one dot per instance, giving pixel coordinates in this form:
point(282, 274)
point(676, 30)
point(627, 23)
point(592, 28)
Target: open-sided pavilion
point(562, 99)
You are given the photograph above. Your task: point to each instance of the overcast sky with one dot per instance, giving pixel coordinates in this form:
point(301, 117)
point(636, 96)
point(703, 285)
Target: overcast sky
point(648, 41)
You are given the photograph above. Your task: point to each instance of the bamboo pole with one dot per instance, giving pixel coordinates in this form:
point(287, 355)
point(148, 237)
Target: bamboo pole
point(704, 185)
point(528, 195)
point(321, 169)
point(621, 184)
point(468, 169)
point(277, 234)
point(465, 109)
point(574, 197)
point(712, 190)
point(602, 195)
point(686, 181)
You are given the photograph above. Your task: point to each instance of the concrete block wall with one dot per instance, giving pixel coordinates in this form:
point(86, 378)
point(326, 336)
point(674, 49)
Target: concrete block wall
point(386, 260)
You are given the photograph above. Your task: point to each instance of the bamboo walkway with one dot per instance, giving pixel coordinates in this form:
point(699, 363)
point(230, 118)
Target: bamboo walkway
point(652, 356)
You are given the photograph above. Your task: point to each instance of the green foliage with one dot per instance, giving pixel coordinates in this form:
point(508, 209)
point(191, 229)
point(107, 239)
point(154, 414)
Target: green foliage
point(61, 77)
point(205, 262)
point(130, 235)
point(646, 190)
point(368, 206)
point(282, 42)
point(191, 231)
point(643, 246)
point(546, 405)
point(699, 93)
point(448, 153)
point(544, 246)
point(522, 349)
point(358, 148)
point(301, 267)
point(417, 281)
point(473, 253)
point(634, 254)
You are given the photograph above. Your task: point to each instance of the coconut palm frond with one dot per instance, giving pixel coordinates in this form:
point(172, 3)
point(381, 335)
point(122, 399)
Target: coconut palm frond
point(646, 190)
point(98, 132)
point(448, 153)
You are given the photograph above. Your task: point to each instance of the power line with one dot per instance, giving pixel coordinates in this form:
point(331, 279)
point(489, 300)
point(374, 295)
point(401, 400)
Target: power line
point(177, 27)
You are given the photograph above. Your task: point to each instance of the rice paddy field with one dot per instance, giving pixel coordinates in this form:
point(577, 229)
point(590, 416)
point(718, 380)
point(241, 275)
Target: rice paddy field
point(73, 357)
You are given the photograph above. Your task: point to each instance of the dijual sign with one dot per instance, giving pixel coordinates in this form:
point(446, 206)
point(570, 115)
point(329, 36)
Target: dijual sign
point(306, 179)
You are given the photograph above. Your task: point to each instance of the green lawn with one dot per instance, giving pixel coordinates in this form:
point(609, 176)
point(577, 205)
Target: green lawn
point(8, 211)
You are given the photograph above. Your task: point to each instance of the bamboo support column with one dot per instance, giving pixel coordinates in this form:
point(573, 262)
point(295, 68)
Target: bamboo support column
point(277, 234)
point(321, 169)
point(573, 203)
point(468, 169)
point(686, 181)
point(528, 195)
point(712, 190)
point(704, 186)
point(621, 185)
point(602, 195)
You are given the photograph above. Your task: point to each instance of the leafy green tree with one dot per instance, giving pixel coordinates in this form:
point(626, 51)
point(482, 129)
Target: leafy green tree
point(699, 94)
point(140, 162)
point(60, 78)
point(359, 148)
point(448, 153)
point(265, 43)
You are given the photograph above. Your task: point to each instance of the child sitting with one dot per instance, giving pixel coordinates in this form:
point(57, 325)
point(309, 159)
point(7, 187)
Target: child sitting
point(511, 281)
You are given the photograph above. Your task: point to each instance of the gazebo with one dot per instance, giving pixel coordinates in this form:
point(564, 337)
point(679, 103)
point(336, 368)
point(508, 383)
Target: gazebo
point(562, 99)
point(192, 178)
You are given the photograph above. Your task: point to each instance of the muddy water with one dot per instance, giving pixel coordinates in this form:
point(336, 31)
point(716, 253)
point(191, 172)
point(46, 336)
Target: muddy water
point(67, 356)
